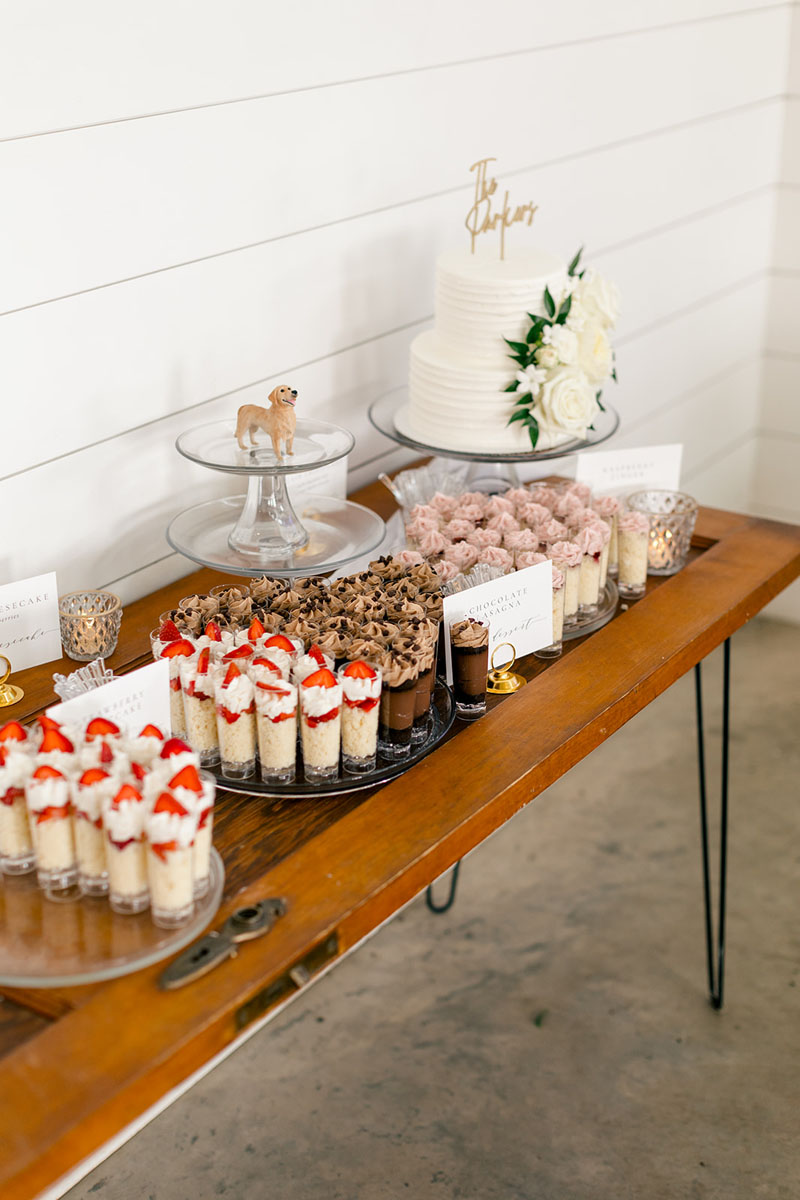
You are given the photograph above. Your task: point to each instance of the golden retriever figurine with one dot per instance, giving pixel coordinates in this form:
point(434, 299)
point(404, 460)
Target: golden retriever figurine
point(279, 421)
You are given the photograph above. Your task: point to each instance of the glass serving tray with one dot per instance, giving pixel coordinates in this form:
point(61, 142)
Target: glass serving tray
point(47, 943)
point(442, 716)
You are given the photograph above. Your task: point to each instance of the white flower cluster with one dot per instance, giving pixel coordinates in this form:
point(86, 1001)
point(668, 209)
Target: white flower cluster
point(572, 358)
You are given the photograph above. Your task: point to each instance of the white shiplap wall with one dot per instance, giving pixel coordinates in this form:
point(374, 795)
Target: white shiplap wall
point(199, 202)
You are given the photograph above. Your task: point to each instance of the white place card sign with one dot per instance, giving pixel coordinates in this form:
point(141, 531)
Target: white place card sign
point(132, 701)
point(29, 629)
point(518, 608)
point(620, 472)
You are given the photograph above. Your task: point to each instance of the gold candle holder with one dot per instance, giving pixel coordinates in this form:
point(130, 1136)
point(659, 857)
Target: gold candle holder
point(9, 692)
point(89, 624)
point(502, 680)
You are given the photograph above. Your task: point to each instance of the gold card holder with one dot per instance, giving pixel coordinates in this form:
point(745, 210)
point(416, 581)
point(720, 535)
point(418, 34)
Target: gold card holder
point(9, 692)
point(502, 680)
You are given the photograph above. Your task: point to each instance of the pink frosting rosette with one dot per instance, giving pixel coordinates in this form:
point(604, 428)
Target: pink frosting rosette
point(543, 494)
point(520, 539)
point(416, 530)
point(634, 522)
point(499, 504)
point(533, 514)
point(606, 506)
point(425, 512)
point(446, 505)
point(469, 512)
point(568, 553)
point(518, 496)
point(586, 516)
point(409, 558)
point(463, 555)
point(458, 529)
point(602, 528)
point(590, 541)
point(581, 490)
point(485, 537)
point(479, 498)
point(530, 558)
point(496, 556)
point(558, 578)
point(552, 531)
point(567, 505)
point(431, 543)
point(446, 570)
point(504, 522)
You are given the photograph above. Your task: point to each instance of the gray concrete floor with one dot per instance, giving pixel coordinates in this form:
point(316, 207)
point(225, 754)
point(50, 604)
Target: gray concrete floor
point(549, 1038)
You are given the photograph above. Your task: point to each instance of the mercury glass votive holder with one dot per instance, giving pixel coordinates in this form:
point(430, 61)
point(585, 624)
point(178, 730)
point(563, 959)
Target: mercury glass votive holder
point(672, 517)
point(89, 624)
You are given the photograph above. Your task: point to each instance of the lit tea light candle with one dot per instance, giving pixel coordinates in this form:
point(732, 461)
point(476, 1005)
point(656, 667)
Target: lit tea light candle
point(672, 516)
point(89, 624)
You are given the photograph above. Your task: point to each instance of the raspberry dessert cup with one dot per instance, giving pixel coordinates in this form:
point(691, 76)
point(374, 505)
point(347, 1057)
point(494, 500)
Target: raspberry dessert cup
point(633, 534)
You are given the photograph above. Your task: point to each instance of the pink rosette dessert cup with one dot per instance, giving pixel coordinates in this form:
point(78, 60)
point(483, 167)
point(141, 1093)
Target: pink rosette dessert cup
point(567, 557)
point(554, 649)
point(591, 545)
point(608, 508)
point(633, 534)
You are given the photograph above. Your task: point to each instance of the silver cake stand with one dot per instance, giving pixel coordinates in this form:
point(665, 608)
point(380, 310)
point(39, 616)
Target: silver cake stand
point(486, 471)
point(260, 532)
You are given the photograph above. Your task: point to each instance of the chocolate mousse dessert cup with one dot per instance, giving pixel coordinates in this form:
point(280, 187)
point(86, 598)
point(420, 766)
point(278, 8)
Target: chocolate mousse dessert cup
point(469, 646)
point(400, 671)
point(424, 695)
point(633, 534)
point(361, 694)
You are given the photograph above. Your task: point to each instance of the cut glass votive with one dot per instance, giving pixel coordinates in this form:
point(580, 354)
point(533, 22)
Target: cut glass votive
point(672, 517)
point(89, 624)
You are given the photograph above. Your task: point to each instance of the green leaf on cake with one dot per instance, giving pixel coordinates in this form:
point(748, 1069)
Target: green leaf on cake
point(549, 303)
point(517, 347)
point(600, 404)
point(520, 415)
point(533, 430)
point(524, 400)
point(563, 312)
point(512, 387)
point(573, 266)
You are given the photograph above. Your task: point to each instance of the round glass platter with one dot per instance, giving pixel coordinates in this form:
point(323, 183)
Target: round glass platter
point(316, 444)
point(606, 609)
point(45, 943)
point(442, 716)
point(389, 415)
point(337, 532)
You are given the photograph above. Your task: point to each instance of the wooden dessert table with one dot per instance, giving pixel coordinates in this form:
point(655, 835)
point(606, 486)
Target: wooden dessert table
point(79, 1064)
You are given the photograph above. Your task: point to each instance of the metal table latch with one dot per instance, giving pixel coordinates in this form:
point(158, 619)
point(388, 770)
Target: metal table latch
point(219, 945)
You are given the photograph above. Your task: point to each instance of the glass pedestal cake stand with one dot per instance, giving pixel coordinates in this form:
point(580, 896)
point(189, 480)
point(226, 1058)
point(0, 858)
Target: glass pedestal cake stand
point(261, 531)
point(486, 472)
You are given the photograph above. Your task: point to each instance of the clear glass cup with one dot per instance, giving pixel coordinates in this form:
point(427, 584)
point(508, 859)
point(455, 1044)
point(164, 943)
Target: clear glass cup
point(360, 715)
point(201, 849)
point(89, 624)
point(171, 885)
point(396, 719)
point(672, 517)
point(470, 672)
point(555, 647)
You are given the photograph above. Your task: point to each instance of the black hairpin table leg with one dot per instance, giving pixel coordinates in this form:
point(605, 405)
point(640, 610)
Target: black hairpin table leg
point(440, 908)
point(716, 969)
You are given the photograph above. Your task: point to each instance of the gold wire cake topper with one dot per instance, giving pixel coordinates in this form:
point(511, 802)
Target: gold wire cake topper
point(482, 217)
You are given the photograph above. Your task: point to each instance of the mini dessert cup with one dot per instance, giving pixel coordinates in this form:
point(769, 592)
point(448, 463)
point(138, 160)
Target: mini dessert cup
point(174, 651)
point(145, 747)
point(590, 542)
point(276, 728)
point(361, 692)
point(126, 851)
point(398, 702)
point(236, 722)
point(48, 798)
point(306, 664)
point(320, 725)
point(608, 508)
point(17, 855)
point(422, 700)
point(469, 645)
point(633, 534)
point(199, 706)
point(567, 557)
point(90, 794)
point(170, 829)
point(559, 591)
point(196, 791)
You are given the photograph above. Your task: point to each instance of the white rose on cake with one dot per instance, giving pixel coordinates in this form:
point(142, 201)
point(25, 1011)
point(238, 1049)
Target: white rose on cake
point(595, 356)
point(566, 403)
point(599, 299)
point(546, 357)
point(563, 341)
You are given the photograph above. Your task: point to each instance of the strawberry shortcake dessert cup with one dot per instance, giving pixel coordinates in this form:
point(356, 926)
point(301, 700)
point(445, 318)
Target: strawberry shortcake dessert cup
point(236, 721)
point(90, 794)
point(17, 855)
point(320, 724)
point(199, 706)
point(126, 851)
point(276, 725)
point(361, 696)
point(170, 829)
point(50, 808)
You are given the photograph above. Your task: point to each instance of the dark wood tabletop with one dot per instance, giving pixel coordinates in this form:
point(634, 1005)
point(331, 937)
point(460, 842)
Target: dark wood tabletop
point(79, 1064)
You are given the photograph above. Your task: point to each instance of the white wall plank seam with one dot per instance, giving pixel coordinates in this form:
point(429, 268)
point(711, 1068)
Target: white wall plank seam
point(703, 302)
point(722, 453)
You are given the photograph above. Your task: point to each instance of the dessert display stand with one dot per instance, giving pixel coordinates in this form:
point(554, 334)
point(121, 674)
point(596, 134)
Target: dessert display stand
point(260, 532)
point(485, 472)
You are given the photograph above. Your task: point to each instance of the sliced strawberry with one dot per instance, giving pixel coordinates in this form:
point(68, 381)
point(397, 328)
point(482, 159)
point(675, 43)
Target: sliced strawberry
point(238, 652)
point(126, 792)
point(213, 632)
point(232, 673)
point(169, 632)
point(152, 731)
point(101, 727)
point(322, 678)
point(174, 746)
point(317, 655)
point(266, 662)
point(54, 739)
point(256, 630)
point(280, 642)
point(203, 661)
point(359, 670)
point(46, 722)
point(93, 775)
point(3, 756)
point(187, 778)
point(12, 731)
point(168, 804)
point(138, 771)
point(47, 772)
point(181, 649)
point(106, 753)
point(272, 687)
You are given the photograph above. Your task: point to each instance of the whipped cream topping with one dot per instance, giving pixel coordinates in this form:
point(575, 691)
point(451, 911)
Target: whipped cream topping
point(192, 681)
point(16, 770)
point(558, 578)
point(486, 537)
point(496, 556)
point(545, 496)
point(464, 555)
point(164, 827)
point(468, 512)
point(534, 514)
point(552, 531)
point(306, 665)
point(235, 696)
point(91, 798)
point(125, 822)
point(317, 701)
point(520, 539)
point(142, 750)
point(261, 673)
point(274, 704)
point(47, 793)
point(356, 689)
point(634, 522)
point(602, 528)
point(504, 522)
point(432, 543)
